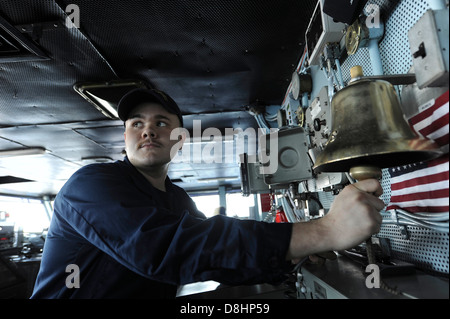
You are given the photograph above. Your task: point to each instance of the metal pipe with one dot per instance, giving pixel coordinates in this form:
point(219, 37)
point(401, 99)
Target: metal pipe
point(339, 72)
point(375, 57)
point(436, 4)
point(305, 100)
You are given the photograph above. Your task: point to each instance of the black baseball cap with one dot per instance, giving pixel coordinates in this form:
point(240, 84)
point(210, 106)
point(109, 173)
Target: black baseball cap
point(142, 95)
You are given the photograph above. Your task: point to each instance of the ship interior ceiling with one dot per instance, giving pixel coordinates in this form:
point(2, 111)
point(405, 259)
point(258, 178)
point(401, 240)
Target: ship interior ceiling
point(217, 59)
point(242, 73)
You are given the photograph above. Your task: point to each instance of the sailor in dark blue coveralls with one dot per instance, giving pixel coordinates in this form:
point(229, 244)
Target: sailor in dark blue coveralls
point(132, 233)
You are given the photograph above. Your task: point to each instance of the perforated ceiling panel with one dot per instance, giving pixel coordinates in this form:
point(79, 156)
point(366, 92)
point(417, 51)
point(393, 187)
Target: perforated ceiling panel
point(215, 58)
point(201, 51)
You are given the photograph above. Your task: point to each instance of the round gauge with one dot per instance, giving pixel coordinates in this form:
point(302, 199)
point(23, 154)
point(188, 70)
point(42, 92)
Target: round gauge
point(295, 86)
point(300, 116)
point(353, 38)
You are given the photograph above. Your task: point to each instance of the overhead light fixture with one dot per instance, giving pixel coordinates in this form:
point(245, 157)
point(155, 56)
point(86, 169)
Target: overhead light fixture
point(23, 151)
point(217, 179)
point(208, 140)
point(96, 159)
point(15, 47)
point(105, 96)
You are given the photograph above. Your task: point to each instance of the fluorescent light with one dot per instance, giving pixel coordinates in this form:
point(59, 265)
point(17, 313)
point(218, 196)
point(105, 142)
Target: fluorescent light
point(110, 108)
point(96, 159)
point(106, 95)
point(201, 140)
point(216, 179)
point(23, 151)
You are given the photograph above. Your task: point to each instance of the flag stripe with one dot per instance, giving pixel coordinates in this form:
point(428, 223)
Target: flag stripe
point(442, 140)
point(435, 194)
point(408, 186)
point(424, 186)
point(439, 113)
point(441, 101)
point(438, 125)
point(422, 209)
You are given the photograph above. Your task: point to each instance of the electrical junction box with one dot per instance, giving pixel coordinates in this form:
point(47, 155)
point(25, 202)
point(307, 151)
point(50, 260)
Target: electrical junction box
point(288, 159)
point(321, 30)
point(429, 44)
point(252, 181)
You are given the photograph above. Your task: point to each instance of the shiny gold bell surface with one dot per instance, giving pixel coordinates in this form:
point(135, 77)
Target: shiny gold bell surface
point(369, 129)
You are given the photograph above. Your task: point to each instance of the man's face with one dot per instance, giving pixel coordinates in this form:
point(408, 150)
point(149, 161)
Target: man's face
point(147, 136)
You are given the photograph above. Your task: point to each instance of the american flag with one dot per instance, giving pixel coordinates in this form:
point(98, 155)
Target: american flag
point(424, 187)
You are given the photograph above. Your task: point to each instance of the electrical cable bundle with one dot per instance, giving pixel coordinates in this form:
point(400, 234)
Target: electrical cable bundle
point(435, 221)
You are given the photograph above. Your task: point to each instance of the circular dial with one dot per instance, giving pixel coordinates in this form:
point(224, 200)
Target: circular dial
point(300, 116)
point(353, 38)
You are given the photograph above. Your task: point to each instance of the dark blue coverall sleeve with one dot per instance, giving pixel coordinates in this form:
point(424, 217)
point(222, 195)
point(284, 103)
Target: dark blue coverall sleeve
point(102, 206)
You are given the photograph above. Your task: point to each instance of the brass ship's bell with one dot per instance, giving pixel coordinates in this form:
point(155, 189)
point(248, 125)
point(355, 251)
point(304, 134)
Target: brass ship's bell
point(369, 131)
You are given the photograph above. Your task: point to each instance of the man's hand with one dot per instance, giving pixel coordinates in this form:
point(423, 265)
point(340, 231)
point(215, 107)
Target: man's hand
point(353, 217)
